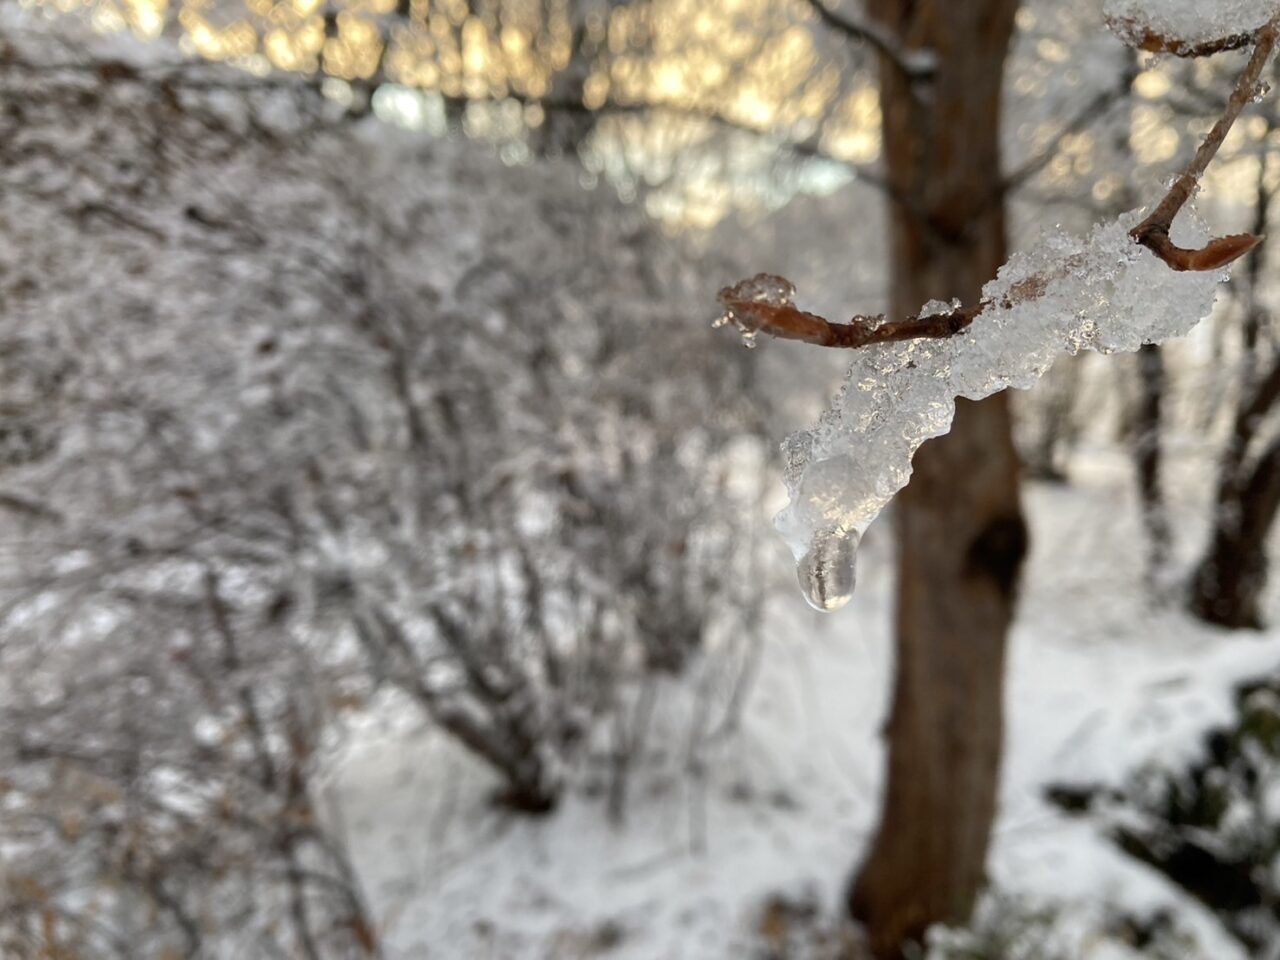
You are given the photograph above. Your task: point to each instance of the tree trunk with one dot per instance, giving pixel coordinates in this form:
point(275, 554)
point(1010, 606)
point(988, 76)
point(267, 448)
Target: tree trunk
point(1226, 587)
point(961, 533)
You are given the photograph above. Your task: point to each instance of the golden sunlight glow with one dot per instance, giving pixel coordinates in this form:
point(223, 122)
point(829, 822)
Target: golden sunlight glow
point(857, 139)
point(705, 67)
point(1151, 84)
point(1151, 137)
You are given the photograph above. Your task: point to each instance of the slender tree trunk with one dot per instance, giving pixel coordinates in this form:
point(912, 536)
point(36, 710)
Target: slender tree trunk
point(1147, 462)
point(961, 533)
point(1226, 587)
point(1227, 584)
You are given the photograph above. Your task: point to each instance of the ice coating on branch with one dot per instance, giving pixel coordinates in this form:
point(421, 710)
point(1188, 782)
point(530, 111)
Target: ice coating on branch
point(1188, 21)
point(1101, 292)
point(764, 288)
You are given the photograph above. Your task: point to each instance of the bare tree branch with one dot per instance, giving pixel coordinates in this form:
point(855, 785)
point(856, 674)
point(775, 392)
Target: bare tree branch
point(763, 304)
point(916, 64)
point(1153, 232)
point(1082, 120)
point(1144, 38)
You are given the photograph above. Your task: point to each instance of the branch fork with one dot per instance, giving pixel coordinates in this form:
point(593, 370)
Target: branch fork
point(764, 303)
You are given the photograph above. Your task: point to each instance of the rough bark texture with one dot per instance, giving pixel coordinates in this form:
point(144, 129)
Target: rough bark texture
point(961, 532)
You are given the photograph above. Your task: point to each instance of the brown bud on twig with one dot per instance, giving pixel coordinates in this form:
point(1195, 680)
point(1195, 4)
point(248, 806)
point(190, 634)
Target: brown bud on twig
point(1215, 254)
point(1218, 253)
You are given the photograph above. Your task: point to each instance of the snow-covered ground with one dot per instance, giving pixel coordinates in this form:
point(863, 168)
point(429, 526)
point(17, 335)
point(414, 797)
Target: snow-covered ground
point(1099, 682)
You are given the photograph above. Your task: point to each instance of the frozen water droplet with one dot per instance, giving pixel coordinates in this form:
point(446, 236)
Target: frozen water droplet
point(765, 288)
point(828, 572)
point(768, 288)
point(723, 320)
point(749, 339)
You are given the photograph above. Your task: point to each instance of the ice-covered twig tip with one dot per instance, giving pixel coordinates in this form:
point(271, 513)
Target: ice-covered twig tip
point(1127, 283)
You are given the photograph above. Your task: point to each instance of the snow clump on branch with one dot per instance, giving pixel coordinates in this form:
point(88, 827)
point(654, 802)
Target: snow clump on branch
point(1104, 292)
point(1185, 27)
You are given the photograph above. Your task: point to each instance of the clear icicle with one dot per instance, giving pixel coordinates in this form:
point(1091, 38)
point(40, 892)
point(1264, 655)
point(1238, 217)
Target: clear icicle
point(828, 571)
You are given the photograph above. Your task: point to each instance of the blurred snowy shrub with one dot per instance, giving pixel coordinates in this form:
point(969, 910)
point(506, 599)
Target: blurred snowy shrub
point(1014, 926)
point(1006, 925)
point(1003, 927)
point(319, 409)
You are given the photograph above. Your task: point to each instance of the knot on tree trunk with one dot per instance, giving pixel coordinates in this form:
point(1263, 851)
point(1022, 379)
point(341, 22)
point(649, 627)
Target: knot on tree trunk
point(997, 552)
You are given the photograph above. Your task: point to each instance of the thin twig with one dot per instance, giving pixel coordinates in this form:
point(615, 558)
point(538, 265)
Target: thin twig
point(1153, 232)
point(1144, 38)
point(1083, 119)
point(200, 77)
point(196, 75)
point(915, 65)
point(782, 320)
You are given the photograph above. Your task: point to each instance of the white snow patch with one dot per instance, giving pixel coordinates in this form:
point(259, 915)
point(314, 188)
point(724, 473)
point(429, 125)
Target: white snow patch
point(1098, 684)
